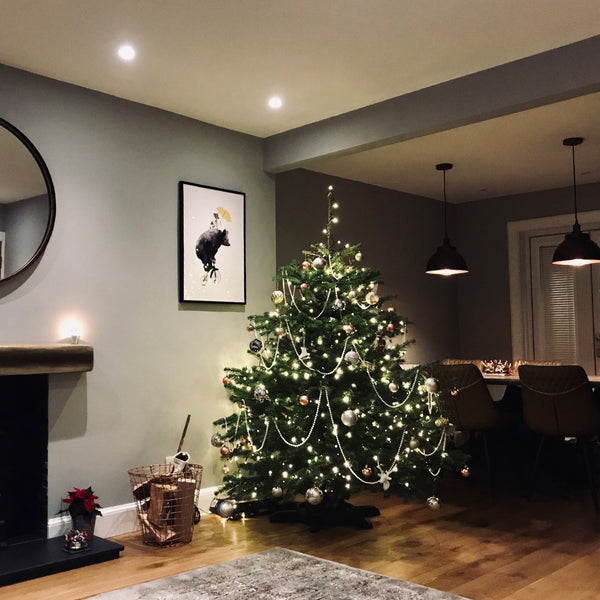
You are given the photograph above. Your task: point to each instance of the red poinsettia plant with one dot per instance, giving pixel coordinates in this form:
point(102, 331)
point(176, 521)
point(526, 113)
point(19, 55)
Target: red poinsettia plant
point(81, 501)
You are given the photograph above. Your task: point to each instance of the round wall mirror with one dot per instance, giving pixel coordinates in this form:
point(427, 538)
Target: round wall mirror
point(27, 202)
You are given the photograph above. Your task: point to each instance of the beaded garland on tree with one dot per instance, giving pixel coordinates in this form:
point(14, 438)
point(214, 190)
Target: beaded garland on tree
point(328, 408)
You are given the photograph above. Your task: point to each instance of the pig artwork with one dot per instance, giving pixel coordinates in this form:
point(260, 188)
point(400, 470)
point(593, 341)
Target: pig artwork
point(208, 245)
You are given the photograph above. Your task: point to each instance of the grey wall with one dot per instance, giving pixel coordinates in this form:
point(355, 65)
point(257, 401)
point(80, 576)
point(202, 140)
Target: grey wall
point(398, 234)
point(483, 295)
point(112, 263)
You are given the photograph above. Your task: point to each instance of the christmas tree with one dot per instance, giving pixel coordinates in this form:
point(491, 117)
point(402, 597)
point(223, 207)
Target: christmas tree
point(327, 408)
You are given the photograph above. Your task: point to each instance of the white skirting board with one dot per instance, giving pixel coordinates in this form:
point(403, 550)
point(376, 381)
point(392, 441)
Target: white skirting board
point(117, 520)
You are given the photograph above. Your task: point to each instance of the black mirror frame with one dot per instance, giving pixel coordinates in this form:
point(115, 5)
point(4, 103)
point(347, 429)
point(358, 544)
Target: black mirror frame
point(51, 198)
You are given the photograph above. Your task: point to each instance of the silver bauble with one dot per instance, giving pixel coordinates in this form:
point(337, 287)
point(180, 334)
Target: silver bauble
point(433, 502)
point(318, 263)
point(349, 418)
point(216, 440)
point(358, 256)
point(414, 443)
point(432, 385)
point(226, 508)
point(277, 297)
point(352, 294)
point(393, 386)
point(277, 492)
point(339, 304)
point(352, 357)
point(314, 496)
point(260, 392)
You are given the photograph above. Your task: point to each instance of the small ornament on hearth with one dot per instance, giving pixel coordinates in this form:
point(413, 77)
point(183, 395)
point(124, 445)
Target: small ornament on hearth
point(358, 256)
point(226, 380)
point(433, 502)
point(216, 440)
point(349, 418)
point(465, 471)
point(393, 387)
point(304, 286)
point(314, 496)
point(432, 385)
point(319, 263)
point(390, 329)
point(305, 264)
point(260, 392)
point(76, 540)
point(348, 328)
point(277, 297)
point(255, 345)
point(351, 357)
point(304, 400)
point(277, 492)
point(224, 450)
point(413, 444)
point(372, 298)
point(367, 472)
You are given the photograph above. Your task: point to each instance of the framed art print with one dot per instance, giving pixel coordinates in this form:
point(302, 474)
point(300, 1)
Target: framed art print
point(212, 244)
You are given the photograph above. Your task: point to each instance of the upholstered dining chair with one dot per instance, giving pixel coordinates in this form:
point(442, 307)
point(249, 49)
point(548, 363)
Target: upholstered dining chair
point(466, 401)
point(558, 401)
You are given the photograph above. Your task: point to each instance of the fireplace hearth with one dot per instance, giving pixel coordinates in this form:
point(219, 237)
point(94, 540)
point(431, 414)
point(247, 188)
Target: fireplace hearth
point(25, 550)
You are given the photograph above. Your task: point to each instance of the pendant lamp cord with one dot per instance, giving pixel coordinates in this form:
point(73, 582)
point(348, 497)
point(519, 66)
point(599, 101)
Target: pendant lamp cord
point(574, 186)
point(445, 216)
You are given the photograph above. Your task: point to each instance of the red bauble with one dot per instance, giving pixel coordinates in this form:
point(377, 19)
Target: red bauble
point(304, 400)
point(390, 328)
point(304, 286)
point(305, 264)
point(226, 380)
point(367, 472)
point(224, 451)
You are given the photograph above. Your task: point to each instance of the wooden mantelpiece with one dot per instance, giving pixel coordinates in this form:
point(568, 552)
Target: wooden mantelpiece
point(33, 359)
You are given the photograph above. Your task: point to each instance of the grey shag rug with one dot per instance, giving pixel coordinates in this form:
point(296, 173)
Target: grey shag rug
point(277, 574)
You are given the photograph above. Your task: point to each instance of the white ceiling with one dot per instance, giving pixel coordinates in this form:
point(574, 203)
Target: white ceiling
point(219, 60)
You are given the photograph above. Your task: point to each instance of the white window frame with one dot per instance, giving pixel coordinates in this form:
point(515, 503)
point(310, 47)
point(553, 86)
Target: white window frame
point(519, 270)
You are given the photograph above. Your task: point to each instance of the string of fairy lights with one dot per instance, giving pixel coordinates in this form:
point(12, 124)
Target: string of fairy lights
point(351, 353)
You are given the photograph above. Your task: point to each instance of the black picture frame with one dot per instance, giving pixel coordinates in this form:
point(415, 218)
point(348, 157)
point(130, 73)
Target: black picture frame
point(212, 244)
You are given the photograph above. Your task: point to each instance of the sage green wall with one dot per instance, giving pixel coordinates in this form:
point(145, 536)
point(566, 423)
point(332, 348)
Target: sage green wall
point(112, 263)
point(398, 234)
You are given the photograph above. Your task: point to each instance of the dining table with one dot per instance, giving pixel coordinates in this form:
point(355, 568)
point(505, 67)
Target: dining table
point(513, 379)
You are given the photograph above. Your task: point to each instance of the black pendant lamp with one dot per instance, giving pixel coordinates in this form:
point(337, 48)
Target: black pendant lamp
point(446, 260)
point(578, 248)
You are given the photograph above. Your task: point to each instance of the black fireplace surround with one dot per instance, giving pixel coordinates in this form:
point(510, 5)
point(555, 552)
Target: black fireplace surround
point(25, 550)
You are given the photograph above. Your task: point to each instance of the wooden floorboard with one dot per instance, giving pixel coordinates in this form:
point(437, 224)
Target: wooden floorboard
point(478, 546)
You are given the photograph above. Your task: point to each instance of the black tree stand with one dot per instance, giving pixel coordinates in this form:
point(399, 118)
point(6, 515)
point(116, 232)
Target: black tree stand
point(331, 512)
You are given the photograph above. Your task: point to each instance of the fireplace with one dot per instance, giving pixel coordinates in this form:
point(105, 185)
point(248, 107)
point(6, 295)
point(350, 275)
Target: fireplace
point(25, 550)
point(23, 458)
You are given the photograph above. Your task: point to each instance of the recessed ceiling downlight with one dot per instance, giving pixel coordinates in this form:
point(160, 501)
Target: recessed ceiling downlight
point(275, 102)
point(126, 52)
